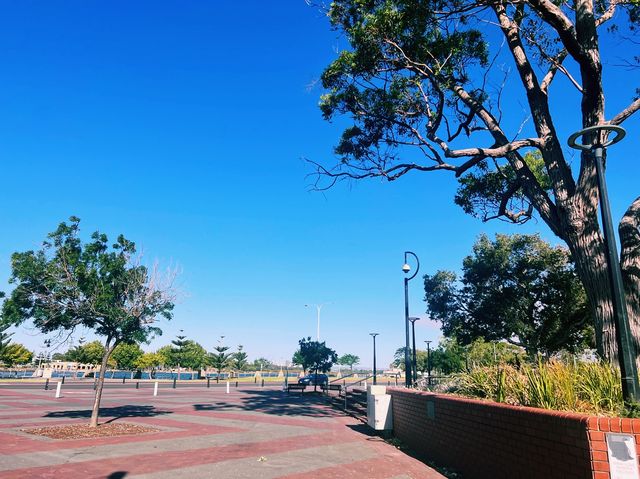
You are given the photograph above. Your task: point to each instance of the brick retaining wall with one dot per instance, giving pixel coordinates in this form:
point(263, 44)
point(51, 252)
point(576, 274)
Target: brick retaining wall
point(483, 439)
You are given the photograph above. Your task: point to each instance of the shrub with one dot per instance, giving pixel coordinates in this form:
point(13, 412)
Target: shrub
point(583, 387)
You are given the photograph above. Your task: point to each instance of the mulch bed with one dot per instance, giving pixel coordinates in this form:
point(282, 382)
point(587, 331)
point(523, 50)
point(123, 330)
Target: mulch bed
point(83, 431)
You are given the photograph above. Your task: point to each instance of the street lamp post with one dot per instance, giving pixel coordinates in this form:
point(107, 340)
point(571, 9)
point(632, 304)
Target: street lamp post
point(414, 368)
point(406, 268)
point(626, 356)
point(373, 335)
point(318, 308)
point(428, 362)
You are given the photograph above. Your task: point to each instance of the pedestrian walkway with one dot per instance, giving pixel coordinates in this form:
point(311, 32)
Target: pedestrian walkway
point(203, 433)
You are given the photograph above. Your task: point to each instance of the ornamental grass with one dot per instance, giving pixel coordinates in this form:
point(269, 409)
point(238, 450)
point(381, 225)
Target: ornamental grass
point(592, 388)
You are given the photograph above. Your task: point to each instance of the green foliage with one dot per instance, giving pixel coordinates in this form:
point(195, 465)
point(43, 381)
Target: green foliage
point(148, 361)
point(15, 354)
point(193, 355)
point(5, 338)
point(126, 356)
point(68, 283)
point(220, 359)
point(298, 360)
point(518, 289)
point(261, 364)
point(177, 351)
point(583, 387)
point(316, 356)
point(482, 191)
point(239, 359)
point(448, 358)
point(89, 353)
point(166, 356)
point(95, 285)
point(348, 360)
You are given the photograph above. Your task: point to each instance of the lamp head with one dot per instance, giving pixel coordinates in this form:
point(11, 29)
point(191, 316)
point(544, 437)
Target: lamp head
point(413, 319)
point(406, 268)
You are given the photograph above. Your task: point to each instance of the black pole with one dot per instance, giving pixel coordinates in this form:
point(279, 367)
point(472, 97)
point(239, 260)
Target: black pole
point(626, 356)
point(407, 363)
point(428, 362)
point(414, 365)
point(375, 378)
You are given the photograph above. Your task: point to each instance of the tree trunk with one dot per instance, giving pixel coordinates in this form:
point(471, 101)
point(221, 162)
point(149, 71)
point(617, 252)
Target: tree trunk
point(95, 412)
point(586, 243)
point(629, 231)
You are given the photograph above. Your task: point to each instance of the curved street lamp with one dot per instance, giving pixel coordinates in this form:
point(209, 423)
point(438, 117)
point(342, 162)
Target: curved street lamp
point(406, 269)
point(626, 356)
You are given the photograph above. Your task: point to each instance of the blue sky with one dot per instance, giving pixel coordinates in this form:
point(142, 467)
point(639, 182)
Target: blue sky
point(184, 126)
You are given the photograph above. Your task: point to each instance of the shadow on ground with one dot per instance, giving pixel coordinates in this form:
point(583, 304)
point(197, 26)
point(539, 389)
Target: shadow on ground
point(276, 402)
point(114, 413)
point(117, 475)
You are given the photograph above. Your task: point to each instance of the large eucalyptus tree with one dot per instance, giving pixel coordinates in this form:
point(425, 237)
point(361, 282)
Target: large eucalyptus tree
point(428, 87)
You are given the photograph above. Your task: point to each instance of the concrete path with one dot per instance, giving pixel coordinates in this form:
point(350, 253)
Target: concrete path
point(204, 433)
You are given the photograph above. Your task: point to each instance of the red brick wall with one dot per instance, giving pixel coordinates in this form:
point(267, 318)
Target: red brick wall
point(482, 439)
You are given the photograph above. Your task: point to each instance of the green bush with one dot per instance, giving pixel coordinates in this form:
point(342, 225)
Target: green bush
point(584, 387)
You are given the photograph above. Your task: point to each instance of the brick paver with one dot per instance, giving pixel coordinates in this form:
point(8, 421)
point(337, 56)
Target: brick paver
point(203, 433)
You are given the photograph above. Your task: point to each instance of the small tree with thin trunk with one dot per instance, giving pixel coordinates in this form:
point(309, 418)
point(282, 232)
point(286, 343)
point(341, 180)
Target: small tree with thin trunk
point(316, 356)
point(69, 284)
point(220, 359)
point(349, 360)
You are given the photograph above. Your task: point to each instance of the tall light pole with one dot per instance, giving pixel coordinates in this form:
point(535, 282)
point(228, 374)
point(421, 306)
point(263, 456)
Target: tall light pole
point(406, 269)
point(318, 308)
point(428, 362)
point(626, 356)
point(373, 335)
point(414, 364)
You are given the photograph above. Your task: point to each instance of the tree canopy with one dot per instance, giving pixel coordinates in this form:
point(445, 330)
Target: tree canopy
point(316, 356)
point(430, 85)
point(516, 288)
point(348, 360)
point(97, 285)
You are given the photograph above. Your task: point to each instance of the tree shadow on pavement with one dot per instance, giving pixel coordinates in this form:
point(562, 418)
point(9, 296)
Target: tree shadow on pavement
point(275, 402)
point(114, 413)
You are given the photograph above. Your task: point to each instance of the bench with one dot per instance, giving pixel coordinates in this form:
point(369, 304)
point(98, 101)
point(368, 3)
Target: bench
point(331, 387)
point(296, 387)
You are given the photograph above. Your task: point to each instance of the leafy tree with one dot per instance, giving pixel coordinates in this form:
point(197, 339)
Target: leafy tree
point(166, 355)
point(239, 359)
point(126, 355)
point(54, 357)
point(179, 343)
point(220, 359)
point(5, 338)
point(261, 364)
point(148, 361)
point(316, 356)
point(517, 289)
point(15, 354)
point(348, 360)
point(89, 353)
point(194, 356)
point(298, 360)
point(419, 81)
point(69, 284)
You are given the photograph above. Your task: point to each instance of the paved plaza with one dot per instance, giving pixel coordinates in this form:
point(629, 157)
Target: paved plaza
point(251, 432)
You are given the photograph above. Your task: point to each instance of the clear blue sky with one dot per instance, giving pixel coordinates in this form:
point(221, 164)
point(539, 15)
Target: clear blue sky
point(183, 126)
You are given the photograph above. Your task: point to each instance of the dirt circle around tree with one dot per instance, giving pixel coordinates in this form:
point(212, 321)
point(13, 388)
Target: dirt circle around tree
point(84, 431)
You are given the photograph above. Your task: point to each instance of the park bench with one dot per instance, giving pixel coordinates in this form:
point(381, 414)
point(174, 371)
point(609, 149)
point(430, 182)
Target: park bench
point(296, 386)
point(331, 387)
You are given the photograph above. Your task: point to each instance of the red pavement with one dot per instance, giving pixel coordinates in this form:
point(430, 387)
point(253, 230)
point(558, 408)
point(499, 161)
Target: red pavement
point(262, 433)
